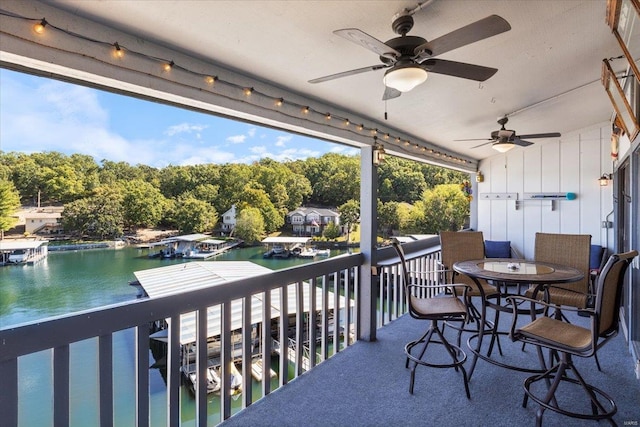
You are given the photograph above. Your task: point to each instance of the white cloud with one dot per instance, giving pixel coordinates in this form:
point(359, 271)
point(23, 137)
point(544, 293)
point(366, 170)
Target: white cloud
point(184, 128)
point(237, 139)
point(251, 132)
point(282, 140)
point(258, 149)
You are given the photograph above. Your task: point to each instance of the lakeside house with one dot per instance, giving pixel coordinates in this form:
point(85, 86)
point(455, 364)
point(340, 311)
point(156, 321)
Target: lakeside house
point(40, 222)
point(229, 220)
point(311, 221)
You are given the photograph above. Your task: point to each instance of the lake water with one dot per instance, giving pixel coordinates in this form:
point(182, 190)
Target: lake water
point(66, 282)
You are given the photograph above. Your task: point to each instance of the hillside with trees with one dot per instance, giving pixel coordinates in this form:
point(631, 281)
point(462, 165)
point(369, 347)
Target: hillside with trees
point(108, 199)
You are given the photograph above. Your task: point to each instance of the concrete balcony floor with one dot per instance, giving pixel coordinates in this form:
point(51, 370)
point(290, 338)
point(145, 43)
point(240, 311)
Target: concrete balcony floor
point(367, 385)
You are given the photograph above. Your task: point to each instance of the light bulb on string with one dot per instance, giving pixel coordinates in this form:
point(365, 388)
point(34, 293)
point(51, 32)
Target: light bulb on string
point(39, 27)
point(248, 91)
point(117, 51)
point(210, 80)
point(168, 66)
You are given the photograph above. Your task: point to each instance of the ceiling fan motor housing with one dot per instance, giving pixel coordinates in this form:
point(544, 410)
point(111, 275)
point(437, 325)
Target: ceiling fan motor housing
point(402, 24)
point(405, 45)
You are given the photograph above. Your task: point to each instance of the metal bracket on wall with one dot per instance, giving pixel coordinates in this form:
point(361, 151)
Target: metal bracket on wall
point(500, 196)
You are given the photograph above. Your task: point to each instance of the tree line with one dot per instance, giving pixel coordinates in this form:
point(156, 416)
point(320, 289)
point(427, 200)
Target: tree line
point(107, 199)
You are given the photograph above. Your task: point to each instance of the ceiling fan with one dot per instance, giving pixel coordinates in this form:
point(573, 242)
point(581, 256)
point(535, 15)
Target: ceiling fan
point(504, 139)
point(409, 58)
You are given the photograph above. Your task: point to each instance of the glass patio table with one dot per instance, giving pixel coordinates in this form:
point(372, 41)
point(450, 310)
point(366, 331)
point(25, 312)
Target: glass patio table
point(507, 274)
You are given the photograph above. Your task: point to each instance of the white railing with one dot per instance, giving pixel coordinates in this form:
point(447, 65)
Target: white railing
point(326, 324)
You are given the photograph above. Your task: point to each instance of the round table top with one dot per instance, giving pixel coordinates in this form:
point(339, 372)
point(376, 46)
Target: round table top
point(518, 271)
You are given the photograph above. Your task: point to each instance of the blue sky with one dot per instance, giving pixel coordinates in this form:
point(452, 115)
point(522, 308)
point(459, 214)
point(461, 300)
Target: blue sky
point(39, 114)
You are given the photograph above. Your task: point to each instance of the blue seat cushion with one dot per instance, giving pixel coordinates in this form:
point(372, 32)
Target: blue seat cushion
point(497, 249)
point(595, 257)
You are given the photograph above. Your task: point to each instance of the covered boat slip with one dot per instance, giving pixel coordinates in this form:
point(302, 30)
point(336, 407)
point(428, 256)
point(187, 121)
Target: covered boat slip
point(22, 251)
point(195, 275)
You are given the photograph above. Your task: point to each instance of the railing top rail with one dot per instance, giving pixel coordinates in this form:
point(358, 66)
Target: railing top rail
point(419, 248)
point(51, 332)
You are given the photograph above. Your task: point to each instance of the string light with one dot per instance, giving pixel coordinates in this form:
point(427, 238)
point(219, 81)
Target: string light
point(39, 27)
point(117, 51)
point(167, 66)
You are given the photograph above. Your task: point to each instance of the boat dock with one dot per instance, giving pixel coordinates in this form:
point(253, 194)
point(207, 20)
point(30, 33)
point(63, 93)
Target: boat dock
point(22, 251)
point(179, 278)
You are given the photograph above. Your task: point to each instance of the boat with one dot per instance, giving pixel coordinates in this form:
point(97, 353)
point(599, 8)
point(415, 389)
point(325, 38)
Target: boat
point(308, 253)
point(324, 252)
point(257, 368)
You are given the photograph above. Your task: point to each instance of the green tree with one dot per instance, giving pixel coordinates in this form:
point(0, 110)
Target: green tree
point(100, 215)
point(444, 208)
point(9, 204)
point(259, 199)
point(334, 178)
point(400, 180)
point(388, 217)
point(331, 231)
point(191, 215)
point(349, 215)
point(143, 204)
point(249, 225)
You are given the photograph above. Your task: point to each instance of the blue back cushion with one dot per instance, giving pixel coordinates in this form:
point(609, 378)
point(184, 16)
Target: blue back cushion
point(495, 249)
point(595, 256)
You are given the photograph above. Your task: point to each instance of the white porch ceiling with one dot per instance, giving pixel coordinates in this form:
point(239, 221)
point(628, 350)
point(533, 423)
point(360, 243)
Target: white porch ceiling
point(549, 62)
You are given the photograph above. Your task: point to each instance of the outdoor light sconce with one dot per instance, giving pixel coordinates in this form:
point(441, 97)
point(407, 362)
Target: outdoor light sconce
point(479, 177)
point(604, 180)
point(378, 154)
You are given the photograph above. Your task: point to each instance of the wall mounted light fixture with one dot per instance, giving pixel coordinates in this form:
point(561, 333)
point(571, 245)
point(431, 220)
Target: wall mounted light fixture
point(479, 177)
point(604, 179)
point(378, 152)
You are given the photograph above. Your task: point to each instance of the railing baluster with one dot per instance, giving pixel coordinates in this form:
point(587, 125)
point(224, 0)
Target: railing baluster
point(247, 352)
point(201, 367)
point(336, 312)
point(324, 344)
point(173, 373)
point(105, 366)
point(313, 322)
point(284, 335)
point(9, 394)
point(61, 386)
point(225, 359)
point(142, 376)
point(299, 326)
point(266, 343)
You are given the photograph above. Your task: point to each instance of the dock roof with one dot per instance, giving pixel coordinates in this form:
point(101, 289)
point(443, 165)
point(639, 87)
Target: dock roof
point(194, 275)
point(12, 245)
point(286, 240)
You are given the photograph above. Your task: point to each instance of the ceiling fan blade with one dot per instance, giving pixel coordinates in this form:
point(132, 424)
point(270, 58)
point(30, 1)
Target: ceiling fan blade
point(475, 139)
point(541, 135)
point(477, 146)
point(476, 31)
point(459, 69)
point(521, 142)
point(348, 73)
point(368, 42)
point(390, 93)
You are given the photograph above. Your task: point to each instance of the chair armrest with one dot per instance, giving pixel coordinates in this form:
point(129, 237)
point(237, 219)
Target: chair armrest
point(515, 300)
point(448, 287)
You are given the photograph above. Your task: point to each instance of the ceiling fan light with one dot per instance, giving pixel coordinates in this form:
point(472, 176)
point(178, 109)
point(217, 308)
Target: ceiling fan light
point(503, 146)
point(405, 78)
